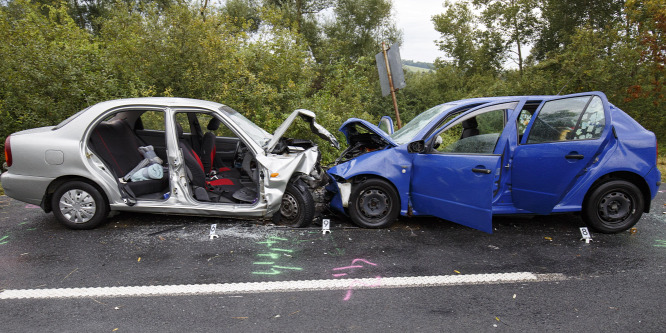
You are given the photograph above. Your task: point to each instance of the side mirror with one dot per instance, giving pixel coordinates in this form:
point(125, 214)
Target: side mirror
point(386, 124)
point(416, 147)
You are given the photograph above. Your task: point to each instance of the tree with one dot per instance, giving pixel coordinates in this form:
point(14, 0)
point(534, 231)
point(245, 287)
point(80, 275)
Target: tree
point(514, 20)
point(561, 19)
point(470, 48)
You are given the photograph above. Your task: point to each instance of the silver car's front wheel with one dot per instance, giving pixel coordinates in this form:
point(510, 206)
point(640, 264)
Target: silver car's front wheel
point(79, 205)
point(297, 209)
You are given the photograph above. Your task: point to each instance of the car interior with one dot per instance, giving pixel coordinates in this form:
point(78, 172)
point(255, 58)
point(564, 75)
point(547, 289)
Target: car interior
point(219, 168)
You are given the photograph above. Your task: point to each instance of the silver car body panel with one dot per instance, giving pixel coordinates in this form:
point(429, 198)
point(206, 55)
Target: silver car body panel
point(308, 116)
point(37, 154)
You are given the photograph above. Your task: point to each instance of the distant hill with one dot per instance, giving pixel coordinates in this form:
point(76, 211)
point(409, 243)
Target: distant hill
point(417, 66)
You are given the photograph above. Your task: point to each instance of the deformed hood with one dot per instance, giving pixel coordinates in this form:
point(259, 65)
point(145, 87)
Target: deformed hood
point(351, 127)
point(308, 116)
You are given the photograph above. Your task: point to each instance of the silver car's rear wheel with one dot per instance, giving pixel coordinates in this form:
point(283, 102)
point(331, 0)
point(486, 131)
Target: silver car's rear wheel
point(79, 205)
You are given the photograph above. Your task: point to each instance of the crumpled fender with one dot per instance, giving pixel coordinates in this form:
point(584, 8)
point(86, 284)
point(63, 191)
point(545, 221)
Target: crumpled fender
point(394, 165)
point(280, 169)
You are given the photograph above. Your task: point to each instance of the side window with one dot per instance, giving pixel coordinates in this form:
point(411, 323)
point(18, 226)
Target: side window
point(152, 121)
point(575, 118)
point(475, 134)
point(525, 116)
point(207, 125)
point(181, 119)
point(592, 123)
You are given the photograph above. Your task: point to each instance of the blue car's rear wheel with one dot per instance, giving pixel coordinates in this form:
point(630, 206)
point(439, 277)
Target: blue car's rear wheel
point(613, 206)
point(374, 203)
point(79, 205)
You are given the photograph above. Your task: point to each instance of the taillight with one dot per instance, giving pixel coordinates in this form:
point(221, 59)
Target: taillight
point(8, 152)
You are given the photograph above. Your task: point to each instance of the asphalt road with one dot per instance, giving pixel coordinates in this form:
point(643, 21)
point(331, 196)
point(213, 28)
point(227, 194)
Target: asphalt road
point(421, 275)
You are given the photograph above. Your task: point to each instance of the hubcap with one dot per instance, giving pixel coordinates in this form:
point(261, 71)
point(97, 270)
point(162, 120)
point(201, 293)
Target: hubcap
point(77, 206)
point(374, 204)
point(615, 206)
point(289, 207)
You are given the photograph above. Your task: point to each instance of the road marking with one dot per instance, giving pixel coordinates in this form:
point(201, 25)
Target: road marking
point(279, 286)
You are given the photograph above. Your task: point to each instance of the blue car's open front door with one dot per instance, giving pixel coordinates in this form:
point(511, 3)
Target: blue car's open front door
point(563, 138)
point(456, 174)
point(458, 188)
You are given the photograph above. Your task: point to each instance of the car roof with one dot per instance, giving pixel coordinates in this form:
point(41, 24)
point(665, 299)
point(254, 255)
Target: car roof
point(157, 101)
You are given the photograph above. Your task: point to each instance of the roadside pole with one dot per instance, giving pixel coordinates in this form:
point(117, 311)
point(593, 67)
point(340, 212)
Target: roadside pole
point(390, 80)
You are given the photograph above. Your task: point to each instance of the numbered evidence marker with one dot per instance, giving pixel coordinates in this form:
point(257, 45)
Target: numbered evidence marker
point(586, 235)
point(325, 226)
point(213, 228)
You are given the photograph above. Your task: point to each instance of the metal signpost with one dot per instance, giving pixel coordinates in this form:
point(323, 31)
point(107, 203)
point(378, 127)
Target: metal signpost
point(391, 75)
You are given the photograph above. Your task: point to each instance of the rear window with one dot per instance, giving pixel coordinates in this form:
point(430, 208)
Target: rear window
point(66, 121)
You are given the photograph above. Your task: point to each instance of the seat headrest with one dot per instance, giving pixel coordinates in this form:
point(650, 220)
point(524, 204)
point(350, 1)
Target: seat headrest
point(213, 124)
point(470, 123)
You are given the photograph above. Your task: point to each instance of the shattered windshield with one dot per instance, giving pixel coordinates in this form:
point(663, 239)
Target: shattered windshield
point(255, 132)
point(407, 132)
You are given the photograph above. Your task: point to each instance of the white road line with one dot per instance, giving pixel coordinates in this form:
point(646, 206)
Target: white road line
point(280, 286)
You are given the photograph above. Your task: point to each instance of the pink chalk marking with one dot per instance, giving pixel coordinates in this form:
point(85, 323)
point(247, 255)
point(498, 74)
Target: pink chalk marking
point(359, 283)
point(339, 274)
point(354, 266)
point(347, 267)
point(31, 206)
point(363, 260)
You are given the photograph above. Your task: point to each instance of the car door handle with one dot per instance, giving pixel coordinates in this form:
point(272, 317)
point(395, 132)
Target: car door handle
point(574, 156)
point(480, 170)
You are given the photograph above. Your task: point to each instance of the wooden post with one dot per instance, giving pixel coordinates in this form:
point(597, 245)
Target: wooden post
point(390, 79)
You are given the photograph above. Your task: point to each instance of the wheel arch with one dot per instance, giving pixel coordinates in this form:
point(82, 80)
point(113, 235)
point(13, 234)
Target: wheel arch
point(626, 176)
point(363, 177)
point(53, 186)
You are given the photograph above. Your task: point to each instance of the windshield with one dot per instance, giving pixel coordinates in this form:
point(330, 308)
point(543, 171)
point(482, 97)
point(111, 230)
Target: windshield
point(255, 132)
point(407, 132)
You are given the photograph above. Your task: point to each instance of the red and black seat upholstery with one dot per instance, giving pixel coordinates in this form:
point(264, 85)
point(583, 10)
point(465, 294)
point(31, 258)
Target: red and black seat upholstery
point(209, 157)
point(220, 189)
point(118, 146)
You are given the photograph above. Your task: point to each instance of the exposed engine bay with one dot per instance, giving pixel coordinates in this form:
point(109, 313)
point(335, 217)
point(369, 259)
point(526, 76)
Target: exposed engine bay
point(361, 141)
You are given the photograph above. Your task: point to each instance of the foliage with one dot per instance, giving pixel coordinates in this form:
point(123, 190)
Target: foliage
point(266, 58)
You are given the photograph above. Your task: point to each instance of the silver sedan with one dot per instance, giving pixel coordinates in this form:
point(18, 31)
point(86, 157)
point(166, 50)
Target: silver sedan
point(166, 155)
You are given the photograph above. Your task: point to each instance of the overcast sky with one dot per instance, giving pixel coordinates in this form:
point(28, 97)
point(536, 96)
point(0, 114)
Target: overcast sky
point(414, 18)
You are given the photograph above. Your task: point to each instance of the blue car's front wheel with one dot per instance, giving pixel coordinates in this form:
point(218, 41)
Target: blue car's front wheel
point(374, 203)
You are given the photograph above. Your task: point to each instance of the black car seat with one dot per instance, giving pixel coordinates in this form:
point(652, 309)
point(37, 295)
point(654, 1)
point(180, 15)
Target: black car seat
point(117, 145)
point(469, 128)
point(209, 153)
point(216, 190)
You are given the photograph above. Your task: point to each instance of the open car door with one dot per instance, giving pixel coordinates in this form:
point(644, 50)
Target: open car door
point(454, 177)
point(563, 138)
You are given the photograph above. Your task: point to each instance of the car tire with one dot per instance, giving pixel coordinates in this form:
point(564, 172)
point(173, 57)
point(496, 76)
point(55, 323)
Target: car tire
point(298, 207)
point(613, 207)
point(374, 203)
point(79, 205)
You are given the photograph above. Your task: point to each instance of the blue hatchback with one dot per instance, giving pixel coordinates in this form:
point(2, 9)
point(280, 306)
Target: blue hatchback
point(468, 160)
